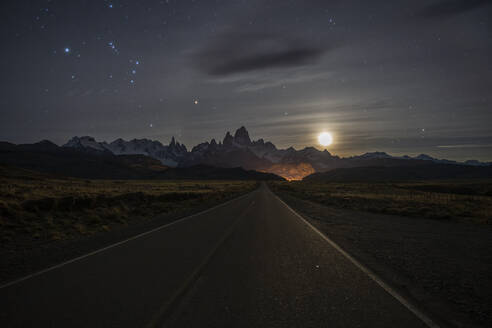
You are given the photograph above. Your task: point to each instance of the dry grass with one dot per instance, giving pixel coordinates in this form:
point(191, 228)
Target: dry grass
point(469, 200)
point(36, 208)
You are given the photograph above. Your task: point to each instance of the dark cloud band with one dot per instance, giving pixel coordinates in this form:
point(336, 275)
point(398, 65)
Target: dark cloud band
point(289, 57)
point(254, 52)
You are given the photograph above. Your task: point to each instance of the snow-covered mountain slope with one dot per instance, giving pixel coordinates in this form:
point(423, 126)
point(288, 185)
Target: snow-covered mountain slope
point(169, 155)
point(86, 142)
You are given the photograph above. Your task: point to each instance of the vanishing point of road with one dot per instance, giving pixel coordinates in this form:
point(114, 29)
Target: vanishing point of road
point(251, 262)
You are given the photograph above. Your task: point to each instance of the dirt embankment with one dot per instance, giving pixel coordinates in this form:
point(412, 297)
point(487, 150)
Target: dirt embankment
point(45, 221)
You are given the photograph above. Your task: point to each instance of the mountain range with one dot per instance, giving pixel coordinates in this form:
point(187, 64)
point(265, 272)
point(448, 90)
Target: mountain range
point(46, 158)
point(239, 150)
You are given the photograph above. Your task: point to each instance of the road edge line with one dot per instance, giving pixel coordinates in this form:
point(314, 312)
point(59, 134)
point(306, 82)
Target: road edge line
point(97, 251)
point(412, 308)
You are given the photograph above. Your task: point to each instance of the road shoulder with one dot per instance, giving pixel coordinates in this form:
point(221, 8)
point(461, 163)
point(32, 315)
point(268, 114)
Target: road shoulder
point(17, 264)
point(445, 266)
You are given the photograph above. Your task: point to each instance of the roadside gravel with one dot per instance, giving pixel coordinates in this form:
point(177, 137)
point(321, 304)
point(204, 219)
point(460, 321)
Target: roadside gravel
point(444, 266)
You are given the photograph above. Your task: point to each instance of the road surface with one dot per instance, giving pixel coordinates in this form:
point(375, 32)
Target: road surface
point(251, 262)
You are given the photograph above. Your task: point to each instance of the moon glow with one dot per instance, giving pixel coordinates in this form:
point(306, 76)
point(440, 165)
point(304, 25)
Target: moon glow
point(325, 139)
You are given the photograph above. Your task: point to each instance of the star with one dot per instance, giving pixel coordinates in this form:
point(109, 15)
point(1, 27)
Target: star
point(67, 50)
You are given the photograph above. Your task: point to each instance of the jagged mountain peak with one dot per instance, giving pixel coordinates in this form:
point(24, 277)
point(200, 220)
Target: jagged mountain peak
point(228, 139)
point(310, 149)
point(375, 154)
point(200, 148)
point(82, 138)
point(241, 137)
point(85, 142)
point(176, 147)
point(425, 157)
point(135, 143)
point(46, 143)
point(241, 130)
point(270, 145)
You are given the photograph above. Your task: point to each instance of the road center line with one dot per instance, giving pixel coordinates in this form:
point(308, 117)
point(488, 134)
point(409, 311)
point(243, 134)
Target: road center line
point(165, 309)
point(16, 281)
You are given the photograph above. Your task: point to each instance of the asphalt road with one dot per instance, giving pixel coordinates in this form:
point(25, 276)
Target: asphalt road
point(249, 263)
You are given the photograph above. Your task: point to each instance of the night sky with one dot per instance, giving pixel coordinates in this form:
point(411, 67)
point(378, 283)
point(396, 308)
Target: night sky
point(405, 77)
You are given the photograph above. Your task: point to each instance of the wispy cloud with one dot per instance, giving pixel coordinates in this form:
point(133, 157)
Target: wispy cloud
point(251, 81)
point(466, 146)
point(451, 7)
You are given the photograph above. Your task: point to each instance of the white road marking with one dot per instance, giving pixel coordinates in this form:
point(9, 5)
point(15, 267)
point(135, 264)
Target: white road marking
point(165, 308)
point(118, 243)
point(428, 321)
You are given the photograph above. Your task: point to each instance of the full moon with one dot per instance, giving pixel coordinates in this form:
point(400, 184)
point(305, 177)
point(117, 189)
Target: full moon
point(325, 139)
